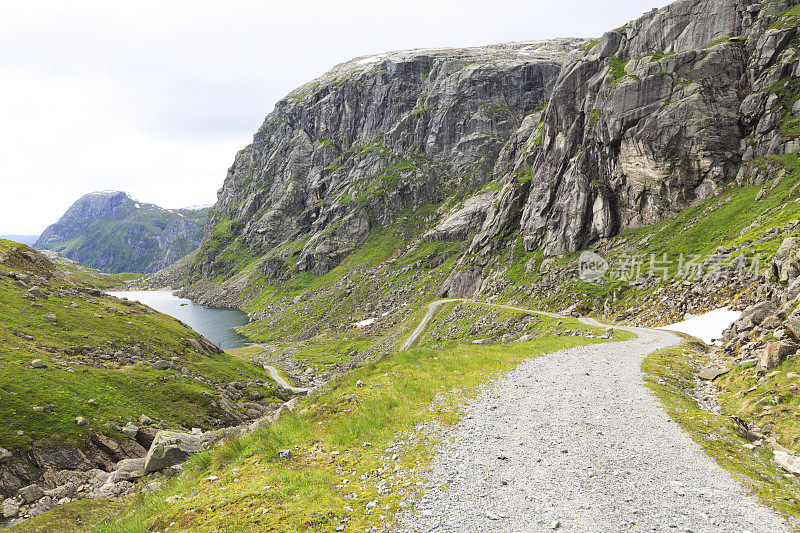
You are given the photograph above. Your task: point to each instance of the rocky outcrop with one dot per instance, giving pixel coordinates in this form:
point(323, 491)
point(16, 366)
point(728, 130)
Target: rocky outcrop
point(654, 117)
point(347, 153)
point(111, 232)
point(47, 465)
point(503, 150)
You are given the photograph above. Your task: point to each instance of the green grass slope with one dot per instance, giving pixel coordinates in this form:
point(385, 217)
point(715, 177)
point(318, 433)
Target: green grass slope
point(39, 406)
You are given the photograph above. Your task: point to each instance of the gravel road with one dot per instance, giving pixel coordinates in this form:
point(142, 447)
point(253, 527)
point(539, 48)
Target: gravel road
point(574, 441)
point(273, 372)
point(432, 307)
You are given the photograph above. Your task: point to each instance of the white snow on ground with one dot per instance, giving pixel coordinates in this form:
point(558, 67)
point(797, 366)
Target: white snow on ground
point(709, 326)
point(368, 60)
point(365, 323)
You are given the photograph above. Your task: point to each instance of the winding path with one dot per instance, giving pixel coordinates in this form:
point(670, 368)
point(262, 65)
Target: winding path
point(432, 307)
point(573, 441)
point(273, 372)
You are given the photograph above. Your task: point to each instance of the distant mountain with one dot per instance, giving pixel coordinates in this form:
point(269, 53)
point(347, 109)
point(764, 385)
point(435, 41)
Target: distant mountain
point(23, 239)
point(111, 232)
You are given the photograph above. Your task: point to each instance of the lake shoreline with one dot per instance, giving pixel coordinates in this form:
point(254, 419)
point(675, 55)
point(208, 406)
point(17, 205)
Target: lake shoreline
point(216, 324)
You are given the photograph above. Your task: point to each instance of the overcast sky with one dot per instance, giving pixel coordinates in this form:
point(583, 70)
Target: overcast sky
point(155, 98)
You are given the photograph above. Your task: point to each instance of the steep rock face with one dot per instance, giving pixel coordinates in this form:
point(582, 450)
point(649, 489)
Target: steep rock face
point(351, 150)
point(562, 143)
point(111, 232)
point(646, 122)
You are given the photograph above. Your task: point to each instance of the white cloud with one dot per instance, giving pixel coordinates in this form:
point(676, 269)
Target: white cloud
point(154, 98)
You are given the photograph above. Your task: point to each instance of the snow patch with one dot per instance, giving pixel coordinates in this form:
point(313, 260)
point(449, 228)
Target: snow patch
point(368, 60)
point(365, 323)
point(137, 206)
point(707, 327)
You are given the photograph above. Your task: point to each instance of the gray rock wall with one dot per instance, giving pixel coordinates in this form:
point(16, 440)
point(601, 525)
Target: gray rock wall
point(647, 122)
point(349, 151)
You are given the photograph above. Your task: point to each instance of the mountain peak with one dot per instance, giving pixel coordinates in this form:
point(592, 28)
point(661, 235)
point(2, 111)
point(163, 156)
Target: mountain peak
point(110, 231)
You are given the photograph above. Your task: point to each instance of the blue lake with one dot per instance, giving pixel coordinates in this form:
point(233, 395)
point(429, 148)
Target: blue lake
point(214, 324)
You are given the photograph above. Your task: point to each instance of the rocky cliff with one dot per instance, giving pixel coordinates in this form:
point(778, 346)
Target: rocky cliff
point(477, 159)
point(113, 233)
point(347, 153)
point(658, 115)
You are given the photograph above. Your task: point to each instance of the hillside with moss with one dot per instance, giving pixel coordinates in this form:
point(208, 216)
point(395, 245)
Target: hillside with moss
point(77, 368)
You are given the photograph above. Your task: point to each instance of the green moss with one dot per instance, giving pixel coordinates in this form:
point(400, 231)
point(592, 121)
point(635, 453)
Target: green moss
point(617, 69)
point(523, 177)
point(789, 19)
point(588, 46)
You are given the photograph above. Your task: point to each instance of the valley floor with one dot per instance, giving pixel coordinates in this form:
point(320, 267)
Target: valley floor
point(574, 440)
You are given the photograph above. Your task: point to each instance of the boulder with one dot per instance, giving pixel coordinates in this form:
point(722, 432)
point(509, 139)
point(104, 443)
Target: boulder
point(130, 430)
point(10, 509)
point(754, 316)
point(170, 448)
point(51, 317)
point(31, 493)
point(196, 345)
point(161, 365)
point(67, 490)
point(36, 292)
point(788, 462)
point(793, 323)
point(776, 352)
point(5, 455)
point(711, 373)
point(42, 506)
point(145, 436)
point(38, 363)
point(127, 470)
point(793, 290)
point(787, 260)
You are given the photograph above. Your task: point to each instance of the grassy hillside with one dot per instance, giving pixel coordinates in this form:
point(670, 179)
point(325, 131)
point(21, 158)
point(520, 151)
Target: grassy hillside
point(99, 348)
point(669, 375)
point(84, 275)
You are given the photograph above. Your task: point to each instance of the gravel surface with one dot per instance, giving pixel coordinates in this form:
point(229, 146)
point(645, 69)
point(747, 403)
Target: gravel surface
point(574, 441)
point(424, 322)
